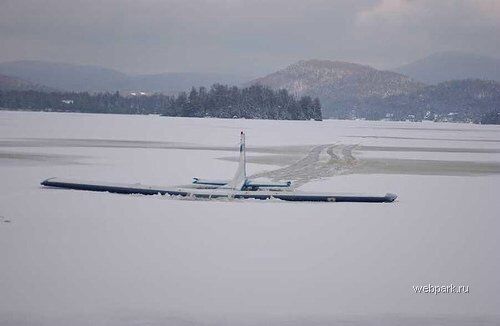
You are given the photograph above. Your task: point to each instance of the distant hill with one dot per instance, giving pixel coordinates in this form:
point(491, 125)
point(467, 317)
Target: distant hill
point(70, 77)
point(445, 66)
point(340, 86)
point(455, 100)
point(171, 83)
point(8, 83)
point(66, 76)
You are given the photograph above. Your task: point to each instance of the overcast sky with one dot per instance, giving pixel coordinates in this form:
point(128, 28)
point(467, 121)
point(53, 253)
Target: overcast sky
point(248, 37)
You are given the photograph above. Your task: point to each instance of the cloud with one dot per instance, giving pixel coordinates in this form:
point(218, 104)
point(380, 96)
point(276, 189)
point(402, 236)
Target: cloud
point(426, 26)
point(385, 9)
point(250, 37)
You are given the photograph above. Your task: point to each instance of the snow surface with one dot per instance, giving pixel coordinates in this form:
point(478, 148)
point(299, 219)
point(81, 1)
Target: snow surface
point(84, 258)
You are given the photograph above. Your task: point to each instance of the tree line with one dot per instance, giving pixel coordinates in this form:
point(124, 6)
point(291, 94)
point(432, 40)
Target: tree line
point(219, 101)
point(468, 100)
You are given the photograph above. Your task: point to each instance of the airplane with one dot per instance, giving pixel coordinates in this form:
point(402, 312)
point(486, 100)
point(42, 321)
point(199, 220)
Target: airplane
point(240, 180)
point(239, 187)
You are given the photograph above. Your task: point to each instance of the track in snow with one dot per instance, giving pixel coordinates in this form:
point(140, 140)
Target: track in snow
point(321, 161)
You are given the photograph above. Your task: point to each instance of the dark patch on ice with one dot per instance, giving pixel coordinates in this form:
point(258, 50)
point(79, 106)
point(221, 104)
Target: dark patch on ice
point(426, 167)
point(277, 160)
point(419, 127)
point(300, 163)
point(429, 149)
point(487, 140)
point(17, 158)
point(110, 143)
point(74, 142)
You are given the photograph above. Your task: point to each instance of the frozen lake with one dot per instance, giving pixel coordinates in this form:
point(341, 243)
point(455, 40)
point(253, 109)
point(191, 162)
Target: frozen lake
point(84, 258)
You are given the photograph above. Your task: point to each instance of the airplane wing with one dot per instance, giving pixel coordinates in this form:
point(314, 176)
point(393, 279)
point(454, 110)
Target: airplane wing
point(214, 193)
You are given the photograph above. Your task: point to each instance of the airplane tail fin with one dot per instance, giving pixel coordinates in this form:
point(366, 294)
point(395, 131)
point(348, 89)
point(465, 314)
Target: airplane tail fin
point(240, 177)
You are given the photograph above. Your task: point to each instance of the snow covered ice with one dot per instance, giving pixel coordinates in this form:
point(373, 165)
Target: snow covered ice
point(84, 258)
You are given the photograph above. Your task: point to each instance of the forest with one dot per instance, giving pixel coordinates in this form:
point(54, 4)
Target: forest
point(219, 101)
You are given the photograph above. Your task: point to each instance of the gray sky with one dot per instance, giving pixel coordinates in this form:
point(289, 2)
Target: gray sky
point(249, 37)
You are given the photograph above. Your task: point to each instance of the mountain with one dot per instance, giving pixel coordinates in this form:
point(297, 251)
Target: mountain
point(64, 76)
point(78, 78)
point(170, 83)
point(341, 86)
point(443, 66)
point(454, 100)
point(8, 83)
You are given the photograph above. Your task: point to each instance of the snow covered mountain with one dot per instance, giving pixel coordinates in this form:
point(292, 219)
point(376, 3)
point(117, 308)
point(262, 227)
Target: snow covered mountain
point(338, 84)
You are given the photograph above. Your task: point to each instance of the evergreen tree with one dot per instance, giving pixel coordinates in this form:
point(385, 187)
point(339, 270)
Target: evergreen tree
point(254, 102)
